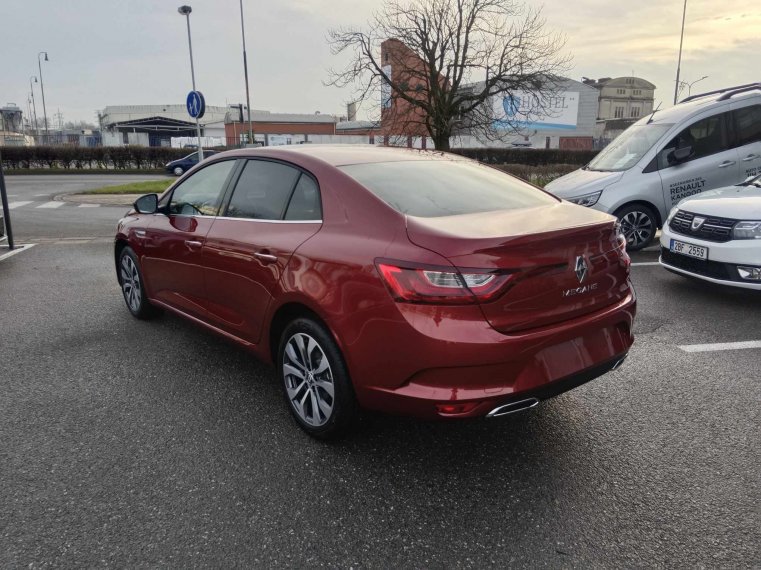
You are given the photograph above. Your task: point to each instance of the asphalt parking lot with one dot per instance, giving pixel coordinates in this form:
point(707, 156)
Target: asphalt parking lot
point(131, 443)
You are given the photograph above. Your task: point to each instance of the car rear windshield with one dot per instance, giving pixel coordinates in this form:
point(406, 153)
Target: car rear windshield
point(434, 188)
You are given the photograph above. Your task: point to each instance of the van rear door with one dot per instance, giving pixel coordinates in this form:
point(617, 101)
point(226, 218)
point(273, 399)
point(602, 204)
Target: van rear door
point(746, 120)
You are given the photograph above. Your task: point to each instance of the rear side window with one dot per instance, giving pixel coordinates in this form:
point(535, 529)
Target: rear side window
point(263, 190)
point(747, 123)
point(706, 137)
point(305, 202)
point(433, 188)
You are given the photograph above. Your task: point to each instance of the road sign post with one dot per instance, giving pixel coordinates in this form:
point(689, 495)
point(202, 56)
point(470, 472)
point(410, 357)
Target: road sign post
point(6, 209)
point(196, 105)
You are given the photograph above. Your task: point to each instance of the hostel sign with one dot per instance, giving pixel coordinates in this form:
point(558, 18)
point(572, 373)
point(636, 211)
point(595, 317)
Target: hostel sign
point(525, 110)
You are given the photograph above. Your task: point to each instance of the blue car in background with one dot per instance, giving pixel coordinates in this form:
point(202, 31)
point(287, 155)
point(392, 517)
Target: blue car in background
point(182, 165)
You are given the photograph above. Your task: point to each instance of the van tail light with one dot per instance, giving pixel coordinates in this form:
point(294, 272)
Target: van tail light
point(412, 283)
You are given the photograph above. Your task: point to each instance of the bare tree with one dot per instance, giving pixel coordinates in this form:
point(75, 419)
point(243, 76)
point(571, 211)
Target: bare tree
point(447, 65)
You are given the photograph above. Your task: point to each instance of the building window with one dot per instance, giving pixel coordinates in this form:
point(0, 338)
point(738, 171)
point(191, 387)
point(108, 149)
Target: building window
point(620, 91)
point(635, 112)
point(630, 80)
point(619, 113)
point(637, 92)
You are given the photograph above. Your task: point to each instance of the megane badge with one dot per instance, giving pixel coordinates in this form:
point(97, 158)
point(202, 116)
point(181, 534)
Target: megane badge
point(581, 268)
point(697, 223)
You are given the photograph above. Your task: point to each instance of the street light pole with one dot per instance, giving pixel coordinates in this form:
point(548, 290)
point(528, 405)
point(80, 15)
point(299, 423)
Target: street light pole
point(245, 74)
point(42, 88)
point(689, 85)
point(679, 61)
point(34, 107)
point(185, 11)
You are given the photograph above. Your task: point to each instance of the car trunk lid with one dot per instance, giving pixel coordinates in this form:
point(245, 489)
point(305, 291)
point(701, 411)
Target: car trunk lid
point(564, 261)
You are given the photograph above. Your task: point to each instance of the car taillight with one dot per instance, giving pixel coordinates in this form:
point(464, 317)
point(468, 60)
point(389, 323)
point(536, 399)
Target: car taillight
point(441, 285)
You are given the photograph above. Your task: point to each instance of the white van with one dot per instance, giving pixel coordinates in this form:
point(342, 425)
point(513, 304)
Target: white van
point(706, 141)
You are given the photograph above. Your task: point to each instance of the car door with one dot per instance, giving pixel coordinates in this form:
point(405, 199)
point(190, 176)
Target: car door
point(274, 207)
point(174, 239)
point(746, 120)
point(713, 163)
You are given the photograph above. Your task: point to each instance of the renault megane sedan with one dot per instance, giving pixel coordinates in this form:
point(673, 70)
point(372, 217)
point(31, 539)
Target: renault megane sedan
point(403, 281)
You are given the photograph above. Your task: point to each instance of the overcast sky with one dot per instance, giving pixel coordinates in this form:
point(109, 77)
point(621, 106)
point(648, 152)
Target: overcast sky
point(109, 52)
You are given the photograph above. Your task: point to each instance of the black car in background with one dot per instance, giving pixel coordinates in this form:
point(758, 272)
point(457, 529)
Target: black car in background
point(182, 165)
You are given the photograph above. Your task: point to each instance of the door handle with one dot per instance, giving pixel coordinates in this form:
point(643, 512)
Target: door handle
point(727, 163)
point(750, 157)
point(193, 244)
point(266, 257)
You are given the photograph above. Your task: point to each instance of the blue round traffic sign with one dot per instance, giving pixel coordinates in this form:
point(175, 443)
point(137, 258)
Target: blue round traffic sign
point(196, 104)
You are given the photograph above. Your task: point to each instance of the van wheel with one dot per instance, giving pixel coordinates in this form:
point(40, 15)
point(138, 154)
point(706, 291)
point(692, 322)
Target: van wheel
point(638, 223)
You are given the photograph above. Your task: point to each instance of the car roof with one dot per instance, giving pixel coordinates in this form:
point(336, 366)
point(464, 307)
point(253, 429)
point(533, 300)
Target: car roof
point(345, 154)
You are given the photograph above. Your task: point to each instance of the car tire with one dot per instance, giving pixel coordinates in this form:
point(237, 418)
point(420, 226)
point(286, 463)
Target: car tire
point(178, 171)
point(315, 380)
point(639, 224)
point(132, 285)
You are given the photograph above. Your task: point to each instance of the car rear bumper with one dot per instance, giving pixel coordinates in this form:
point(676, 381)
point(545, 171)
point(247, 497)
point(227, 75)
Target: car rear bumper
point(471, 379)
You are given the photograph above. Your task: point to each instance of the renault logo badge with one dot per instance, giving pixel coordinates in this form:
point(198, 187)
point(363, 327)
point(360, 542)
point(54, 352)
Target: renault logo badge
point(697, 223)
point(581, 268)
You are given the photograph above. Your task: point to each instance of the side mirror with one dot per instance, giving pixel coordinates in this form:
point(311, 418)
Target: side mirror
point(680, 154)
point(148, 204)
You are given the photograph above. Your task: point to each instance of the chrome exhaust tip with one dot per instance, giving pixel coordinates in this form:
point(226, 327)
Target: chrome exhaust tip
point(513, 407)
point(619, 363)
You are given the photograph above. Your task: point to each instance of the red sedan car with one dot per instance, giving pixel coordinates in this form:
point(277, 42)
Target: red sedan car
point(404, 281)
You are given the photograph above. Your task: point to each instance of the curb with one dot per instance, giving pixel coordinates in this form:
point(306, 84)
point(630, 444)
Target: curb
point(125, 200)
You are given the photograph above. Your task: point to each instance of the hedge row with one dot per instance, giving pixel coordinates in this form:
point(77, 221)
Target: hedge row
point(71, 157)
point(531, 157)
point(128, 157)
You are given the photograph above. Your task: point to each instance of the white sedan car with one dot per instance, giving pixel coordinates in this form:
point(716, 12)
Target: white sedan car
point(716, 236)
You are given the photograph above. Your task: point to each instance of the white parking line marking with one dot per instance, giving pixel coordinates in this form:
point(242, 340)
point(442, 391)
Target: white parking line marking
point(721, 346)
point(51, 205)
point(41, 195)
point(89, 206)
point(12, 205)
point(17, 249)
point(646, 263)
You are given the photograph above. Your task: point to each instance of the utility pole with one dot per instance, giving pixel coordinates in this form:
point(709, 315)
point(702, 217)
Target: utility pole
point(245, 74)
point(34, 107)
point(42, 88)
point(679, 61)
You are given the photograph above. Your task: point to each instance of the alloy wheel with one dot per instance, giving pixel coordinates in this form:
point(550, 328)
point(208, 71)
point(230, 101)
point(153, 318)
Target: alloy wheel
point(637, 227)
point(308, 380)
point(131, 283)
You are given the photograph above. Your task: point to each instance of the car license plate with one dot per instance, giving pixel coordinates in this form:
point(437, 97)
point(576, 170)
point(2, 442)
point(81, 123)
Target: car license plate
point(682, 248)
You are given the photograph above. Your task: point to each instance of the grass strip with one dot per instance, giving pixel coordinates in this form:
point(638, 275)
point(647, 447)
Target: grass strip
point(146, 187)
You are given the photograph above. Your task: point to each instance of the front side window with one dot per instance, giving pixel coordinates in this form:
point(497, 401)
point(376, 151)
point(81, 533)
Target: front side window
point(201, 193)
point(263, 190)
point(706, 137)
point(445, 187)
point(747, 123)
